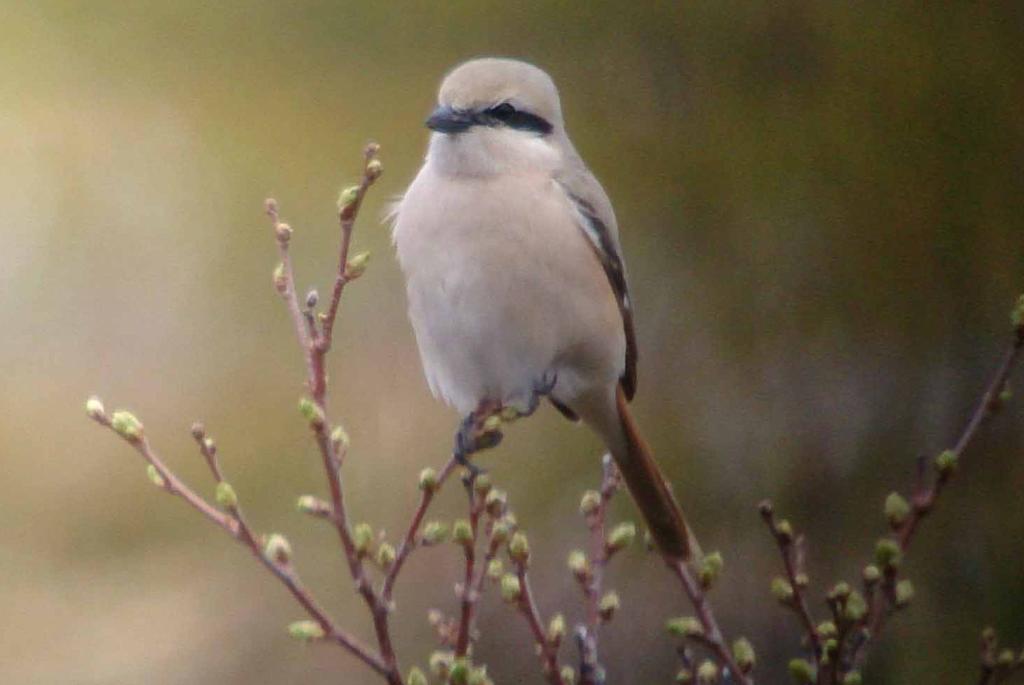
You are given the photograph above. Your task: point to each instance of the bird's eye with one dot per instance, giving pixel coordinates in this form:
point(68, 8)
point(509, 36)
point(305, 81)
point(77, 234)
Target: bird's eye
point(502, 112)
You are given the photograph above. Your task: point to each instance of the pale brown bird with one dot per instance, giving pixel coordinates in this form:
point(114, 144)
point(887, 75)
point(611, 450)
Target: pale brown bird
point(515, 277)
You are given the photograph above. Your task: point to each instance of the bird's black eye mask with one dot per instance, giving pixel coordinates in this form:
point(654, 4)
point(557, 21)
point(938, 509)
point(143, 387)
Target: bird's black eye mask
point(451, 120)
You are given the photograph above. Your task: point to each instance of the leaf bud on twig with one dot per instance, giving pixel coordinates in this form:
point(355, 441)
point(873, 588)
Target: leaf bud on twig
point(801, 671)
point(568, 675)
point(374, 169)
point(782, 590)
point(306, 630)
point(853, 678)
point(346, 198)
point(556, 630)
point(621, 537)
point(871, 574)
point(314, 506)
point(362, 538)
point(711, 567)
point(126, 425)
point(855, 608)
point(896, 509)
point(904, 593)
point(707, 672)
point(511, 590)
point(94, 408)
point(356, 265)
point(684, 626)
point(416, 677)
point(225, 495)
point(434, 533)
point(784, 531)
point(277, 549)
point(385, 555)
point(590, 502)
point(946, 463)
point(743, 653)
point(280, 278)
point(608, 605)
point(495, 502)
point(311, 412)
point(495, 569)
point(154, 476)
point(283, 232)
point(519, 549)
point(462, 533)
point(887, 553)
point(428, 480)
point(579, 565)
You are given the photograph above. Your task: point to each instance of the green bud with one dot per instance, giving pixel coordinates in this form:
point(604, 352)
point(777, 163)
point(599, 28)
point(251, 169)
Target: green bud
point(871, 574)
point(356, 265)
point(495, 569)
point(608, 605)
point(556, 629)
point(306, 630)
point(495, 502)
point(896, 509)
point(622, 536)
point(830, 647)
point(801, 580)
point(500, 532)
point(568, 675)
point(362, 538)
point(311, 412)
point(434, 533)
point(707, 672)
point(441, 664)
point(225, 495)
point(283, 232)
point(460, 672)
point(339, 439)
point(684, 626)
point(462, 533)
point(887, 553)
point(782, 590)
point(314, 506)
point(154, 476)
point(710, 569)
point(416, 677)
point(346, 197)
point(1006, 657)
point(511, 590)
point(1017, 315)
point(519, 549)
point(904, 593)
point(827, 629)
point(840, 591)
point(853, 678)
point(590, 502)
point(126, 425)
point(743, 653)
point(280, 278)
point(855, 608)
point(684, 677)
point(784, 530)
point(374, 169)
point(579, 565)
point(277, 549)
point(946, 462)
point(428, 480)
point(385, 555)
point(94, 408)
point(482, 484)
point(801, 671)
point(1006, 394)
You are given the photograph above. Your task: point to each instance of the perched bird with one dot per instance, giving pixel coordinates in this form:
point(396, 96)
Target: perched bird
point(515, 278)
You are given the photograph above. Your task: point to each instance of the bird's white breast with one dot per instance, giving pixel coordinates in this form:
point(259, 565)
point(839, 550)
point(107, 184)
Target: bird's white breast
point(503, 288)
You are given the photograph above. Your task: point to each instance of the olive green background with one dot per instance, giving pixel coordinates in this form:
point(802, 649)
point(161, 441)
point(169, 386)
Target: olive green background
point(821, 207)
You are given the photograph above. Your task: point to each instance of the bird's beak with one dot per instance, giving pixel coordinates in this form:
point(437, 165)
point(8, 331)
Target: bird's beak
point(448, 120)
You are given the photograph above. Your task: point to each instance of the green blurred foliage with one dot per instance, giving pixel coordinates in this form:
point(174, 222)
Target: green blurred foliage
point(821, 206)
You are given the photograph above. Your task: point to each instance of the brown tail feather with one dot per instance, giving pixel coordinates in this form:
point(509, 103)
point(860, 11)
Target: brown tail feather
point(649, 488)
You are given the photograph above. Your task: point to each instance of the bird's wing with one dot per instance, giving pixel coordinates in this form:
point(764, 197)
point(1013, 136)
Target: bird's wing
point(597, 220)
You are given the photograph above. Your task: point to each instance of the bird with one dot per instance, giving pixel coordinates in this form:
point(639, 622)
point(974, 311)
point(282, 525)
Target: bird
point(515, 279)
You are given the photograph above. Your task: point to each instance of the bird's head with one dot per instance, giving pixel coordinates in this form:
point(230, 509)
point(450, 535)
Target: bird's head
point(496, 116)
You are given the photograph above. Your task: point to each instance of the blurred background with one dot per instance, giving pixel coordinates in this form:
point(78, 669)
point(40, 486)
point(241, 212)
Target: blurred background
point(822, 209)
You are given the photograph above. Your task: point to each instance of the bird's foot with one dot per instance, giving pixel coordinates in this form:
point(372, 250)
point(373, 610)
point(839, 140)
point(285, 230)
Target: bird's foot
point(480, 430)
